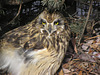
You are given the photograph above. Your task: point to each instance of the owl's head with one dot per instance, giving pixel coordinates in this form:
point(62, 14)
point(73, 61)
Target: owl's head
point(51, 23)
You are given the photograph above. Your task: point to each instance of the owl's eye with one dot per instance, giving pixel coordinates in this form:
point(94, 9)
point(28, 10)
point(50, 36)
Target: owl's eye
point(56, 23)
point(43, 23)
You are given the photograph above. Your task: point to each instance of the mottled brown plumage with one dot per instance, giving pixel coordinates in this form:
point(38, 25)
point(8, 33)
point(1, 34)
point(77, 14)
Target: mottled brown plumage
point(37, 48)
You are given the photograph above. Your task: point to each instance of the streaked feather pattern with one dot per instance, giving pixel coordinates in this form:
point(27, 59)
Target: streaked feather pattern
point(35, 49)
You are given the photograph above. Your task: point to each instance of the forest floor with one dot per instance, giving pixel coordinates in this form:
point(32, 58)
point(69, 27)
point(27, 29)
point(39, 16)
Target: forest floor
point(84, 57)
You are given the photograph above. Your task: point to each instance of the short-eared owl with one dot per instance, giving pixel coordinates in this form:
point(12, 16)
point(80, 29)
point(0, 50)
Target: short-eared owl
point(37, 48)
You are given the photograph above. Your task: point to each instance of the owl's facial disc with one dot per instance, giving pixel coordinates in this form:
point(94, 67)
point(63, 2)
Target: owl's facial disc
point(49, 28)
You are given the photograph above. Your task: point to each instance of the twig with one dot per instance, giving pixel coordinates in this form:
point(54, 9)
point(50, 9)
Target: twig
point(93, 23)
point(96, 23)
point(92, 37)
point(86, 22)
point(16, 14)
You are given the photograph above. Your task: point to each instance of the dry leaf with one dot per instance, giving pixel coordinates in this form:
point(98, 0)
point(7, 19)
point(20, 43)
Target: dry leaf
point(80, 73)
point(61, 72)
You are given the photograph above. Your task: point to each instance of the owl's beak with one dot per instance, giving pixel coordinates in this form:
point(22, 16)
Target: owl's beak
point(49, 29)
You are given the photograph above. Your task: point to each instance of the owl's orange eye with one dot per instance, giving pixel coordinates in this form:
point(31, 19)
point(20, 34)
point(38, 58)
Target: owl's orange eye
point(43, 23)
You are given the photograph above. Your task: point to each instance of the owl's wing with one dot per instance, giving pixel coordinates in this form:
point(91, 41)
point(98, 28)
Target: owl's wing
point(19, 44)
point(11, 46)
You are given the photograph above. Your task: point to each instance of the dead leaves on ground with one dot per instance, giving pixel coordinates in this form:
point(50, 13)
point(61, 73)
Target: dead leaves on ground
point(85, 62)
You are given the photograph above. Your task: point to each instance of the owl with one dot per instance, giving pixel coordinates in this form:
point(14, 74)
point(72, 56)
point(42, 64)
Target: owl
point(37, 48)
